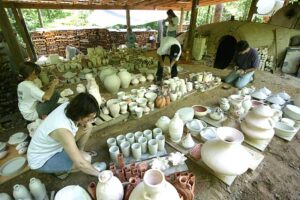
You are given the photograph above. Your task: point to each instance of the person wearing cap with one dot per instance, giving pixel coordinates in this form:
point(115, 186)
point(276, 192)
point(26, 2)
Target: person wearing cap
point(246, 61)
point(170, 47)
point(173, 23)
point(57, 146)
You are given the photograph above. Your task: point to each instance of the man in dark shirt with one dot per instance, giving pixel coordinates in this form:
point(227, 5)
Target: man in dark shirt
point(246, 60)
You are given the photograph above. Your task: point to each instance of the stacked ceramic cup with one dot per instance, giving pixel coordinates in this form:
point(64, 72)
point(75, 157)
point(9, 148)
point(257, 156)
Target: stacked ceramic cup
point(136, 144)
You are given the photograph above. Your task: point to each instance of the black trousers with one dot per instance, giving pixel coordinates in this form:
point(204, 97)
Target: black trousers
point(160, 69)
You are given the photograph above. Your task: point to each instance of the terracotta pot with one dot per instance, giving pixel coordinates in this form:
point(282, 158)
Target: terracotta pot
point(226, 156)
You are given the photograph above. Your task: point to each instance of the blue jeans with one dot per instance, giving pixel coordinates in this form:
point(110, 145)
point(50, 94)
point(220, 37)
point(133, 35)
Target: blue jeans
point(58, 163)
point(240, 80)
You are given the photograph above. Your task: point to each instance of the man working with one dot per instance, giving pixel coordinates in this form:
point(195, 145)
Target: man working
point(57, 144)
point(170, 47)
point(33, 102)
point(130, 38)
point(246, 60)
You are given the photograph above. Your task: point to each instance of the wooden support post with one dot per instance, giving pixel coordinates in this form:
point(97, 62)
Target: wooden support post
point(40, 18)
point(127, 17)
point(10, 38)
point(181, 20)
point(24, 33)
point(207, 15)
point(218, 12)
point(191, 34)
point(252, 10)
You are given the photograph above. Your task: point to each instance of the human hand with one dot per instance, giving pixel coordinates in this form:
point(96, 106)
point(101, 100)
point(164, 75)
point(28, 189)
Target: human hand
point(240, 71)
point(55, 82)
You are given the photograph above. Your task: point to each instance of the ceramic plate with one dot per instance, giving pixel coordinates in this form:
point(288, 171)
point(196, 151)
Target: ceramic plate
point(17, 138)
point(12, 166)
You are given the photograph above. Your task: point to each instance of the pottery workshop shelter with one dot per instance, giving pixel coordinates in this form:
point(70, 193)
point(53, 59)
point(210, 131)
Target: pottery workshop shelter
point(17, 5)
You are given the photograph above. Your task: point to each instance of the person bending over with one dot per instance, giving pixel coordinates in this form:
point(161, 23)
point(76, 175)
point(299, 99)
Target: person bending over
point(58, 143)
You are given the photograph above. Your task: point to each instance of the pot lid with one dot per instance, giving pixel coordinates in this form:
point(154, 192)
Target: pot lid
point(17, 138)
point(12, 166)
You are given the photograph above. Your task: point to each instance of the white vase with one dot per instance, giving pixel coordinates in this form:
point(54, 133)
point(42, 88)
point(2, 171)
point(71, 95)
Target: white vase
point(93, 89)
point(176, 128)
point(114, 109)
point(105, 72)
point(112, 83)
point(226, 155)
point(72, 192)
point(21, 192)
point(154, 187)
point(5, 196)
point(125, 78)
point(38, 189)
point(163, 123)
point(188, 142)
point(297, 100)
point(109, 187)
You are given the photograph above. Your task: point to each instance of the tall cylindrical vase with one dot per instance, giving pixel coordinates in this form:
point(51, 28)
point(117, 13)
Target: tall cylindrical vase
point(176, 128)
point(38, 189)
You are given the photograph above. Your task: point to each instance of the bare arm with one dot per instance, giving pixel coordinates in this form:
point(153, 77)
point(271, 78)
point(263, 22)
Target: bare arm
point(173, 63)
point(66, 138)
point(49, 92)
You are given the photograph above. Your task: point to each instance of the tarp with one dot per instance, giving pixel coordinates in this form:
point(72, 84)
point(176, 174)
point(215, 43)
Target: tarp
point(108, 18)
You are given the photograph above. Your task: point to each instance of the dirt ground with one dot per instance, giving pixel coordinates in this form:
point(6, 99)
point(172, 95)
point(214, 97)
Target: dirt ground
point(277, 177)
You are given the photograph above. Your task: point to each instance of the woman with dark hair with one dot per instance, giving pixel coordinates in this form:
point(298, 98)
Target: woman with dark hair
point(246, 61)
point(58, 143)
point(33, 102)
point(173, 23)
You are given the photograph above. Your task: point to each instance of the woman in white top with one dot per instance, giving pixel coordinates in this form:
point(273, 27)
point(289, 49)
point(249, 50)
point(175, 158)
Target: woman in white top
point(173, 23)
point(33, 102)
point(58, 143)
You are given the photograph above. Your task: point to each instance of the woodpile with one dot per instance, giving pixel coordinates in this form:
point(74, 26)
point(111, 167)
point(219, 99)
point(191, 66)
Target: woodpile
point(266, 61)
point(55, 42)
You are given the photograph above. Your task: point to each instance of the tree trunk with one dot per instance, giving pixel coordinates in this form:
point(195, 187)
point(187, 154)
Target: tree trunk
point(252, 10)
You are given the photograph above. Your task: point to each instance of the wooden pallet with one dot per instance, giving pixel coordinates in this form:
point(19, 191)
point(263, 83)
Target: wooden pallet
point(228, 180)
point(12, 153)
point(106, 120)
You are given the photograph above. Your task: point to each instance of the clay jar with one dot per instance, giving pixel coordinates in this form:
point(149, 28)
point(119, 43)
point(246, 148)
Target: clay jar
point(226, 156)
point(109, 187)
point(114, 109)
point(176, 128)
point(163, 123)
point(154, 187)
point(125, 78)
point(112, 83)
point(21, 192)
point(37, 189)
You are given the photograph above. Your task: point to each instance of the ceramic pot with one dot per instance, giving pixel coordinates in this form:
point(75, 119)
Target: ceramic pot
point(114, 109)
point(109, 187)
point(80, 88)
point(5, 196)
point(21, 192)
point(154, 187)
point(247, 103)
point(236, 105)
point(38, 189)
point(187, 141)
point(263, 123)
point(217, 114)
point(176, 128)
point(125, 78)
point(297, 100)
point(163, 123)
point(112, 83)
point(256, 133)
point(93, 89)
point(226, 156)
point(105, 72)
point(150, 77)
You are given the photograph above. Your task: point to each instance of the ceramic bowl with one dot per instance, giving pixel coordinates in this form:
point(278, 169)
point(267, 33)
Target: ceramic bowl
point(284, 95)
point(276, 100)
point(186, 114)
point(263, 111)
point(21, 145)
point(151, 96)
point(3, 154)
point(22, 151)
point(256, 103)
point(288, 121)
point(209, 133)
point(292, 112)
point(195, 126)
point(284, 130)
point(142, 102)
point(259, 95)
point(265, 90)
point(200, 110)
